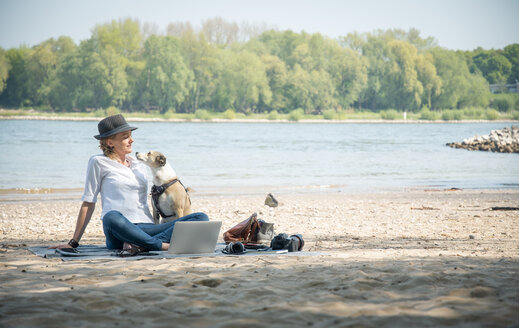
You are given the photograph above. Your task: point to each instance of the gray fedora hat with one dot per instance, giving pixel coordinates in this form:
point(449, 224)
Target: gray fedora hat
point(112, 125)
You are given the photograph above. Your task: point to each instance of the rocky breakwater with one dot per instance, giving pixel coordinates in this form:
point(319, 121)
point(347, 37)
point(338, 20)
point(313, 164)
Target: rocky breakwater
point(505, 140)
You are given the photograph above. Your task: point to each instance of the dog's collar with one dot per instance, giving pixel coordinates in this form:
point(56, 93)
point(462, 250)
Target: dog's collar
point(159, 190)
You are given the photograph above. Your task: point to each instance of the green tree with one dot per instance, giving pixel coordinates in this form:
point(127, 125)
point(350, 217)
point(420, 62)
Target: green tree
point(453, 72)
point(321, 73)
point(477, 93)
point(42, 65)
point(201, 58)
point(84, 80)
point(4, 69)
point(404, 89)
point(511, 52)
point(241, 82)
point(348, 71)
point(427, 75)
point(15, 93)
point(460, 88)
point(166, 77)
point(222, 66)
point(277, 76)
point(385, 64)
point(251, 82)
point(322, 91)
point(93, 89)
point(325, 58)
point(495, 67)
point(67, 79)
point(282, 45)
point(123, 36)
point(96, 74)
point(116, 78)
point(309, 90)
point(135, 89)
point(298, 89)
point(61, 48)
point(313, 53)
point(375, 53)
point(119, 44)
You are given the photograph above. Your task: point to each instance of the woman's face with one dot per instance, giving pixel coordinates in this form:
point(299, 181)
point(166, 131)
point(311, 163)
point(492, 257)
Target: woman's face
point(122, 142)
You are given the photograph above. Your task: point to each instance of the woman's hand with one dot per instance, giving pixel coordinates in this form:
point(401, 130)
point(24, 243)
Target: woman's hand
point(60, 246)
point(85, 213)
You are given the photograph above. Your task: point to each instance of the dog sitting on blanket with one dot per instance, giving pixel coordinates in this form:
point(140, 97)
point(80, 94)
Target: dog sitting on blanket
point(169, 196)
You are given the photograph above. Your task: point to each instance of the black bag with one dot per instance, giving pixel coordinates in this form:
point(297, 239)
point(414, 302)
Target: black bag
point(293, 243)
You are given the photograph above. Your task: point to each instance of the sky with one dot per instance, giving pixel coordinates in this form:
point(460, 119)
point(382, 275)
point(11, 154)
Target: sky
point(455, 24)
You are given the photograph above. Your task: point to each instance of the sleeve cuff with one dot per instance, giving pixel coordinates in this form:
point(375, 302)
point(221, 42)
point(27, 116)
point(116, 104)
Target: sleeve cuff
point(89, 198)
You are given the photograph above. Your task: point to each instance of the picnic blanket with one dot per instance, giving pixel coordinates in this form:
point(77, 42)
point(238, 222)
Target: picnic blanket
point(96, 252)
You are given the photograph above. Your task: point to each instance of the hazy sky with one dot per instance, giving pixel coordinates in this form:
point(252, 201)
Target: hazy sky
point(455, 24)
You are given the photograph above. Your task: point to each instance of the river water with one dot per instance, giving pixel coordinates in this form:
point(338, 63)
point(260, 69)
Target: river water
point(244, 157)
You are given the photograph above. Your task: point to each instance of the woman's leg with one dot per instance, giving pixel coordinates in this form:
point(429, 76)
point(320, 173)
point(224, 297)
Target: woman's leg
point(163, 231)
point(118, 230)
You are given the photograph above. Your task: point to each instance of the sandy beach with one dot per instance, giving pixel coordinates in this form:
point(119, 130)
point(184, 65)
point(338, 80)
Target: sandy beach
point(423, 258)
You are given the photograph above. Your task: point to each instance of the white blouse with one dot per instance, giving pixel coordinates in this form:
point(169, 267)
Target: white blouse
point(124, 189)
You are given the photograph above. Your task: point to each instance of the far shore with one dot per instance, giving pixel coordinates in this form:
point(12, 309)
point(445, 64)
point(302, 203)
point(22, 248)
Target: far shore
point(240, 120)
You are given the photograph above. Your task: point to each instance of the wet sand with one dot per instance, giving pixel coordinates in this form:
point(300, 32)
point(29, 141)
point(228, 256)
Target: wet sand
point(418, 258)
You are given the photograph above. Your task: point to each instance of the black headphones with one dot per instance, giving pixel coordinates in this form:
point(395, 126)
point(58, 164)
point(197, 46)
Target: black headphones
point(235, 248)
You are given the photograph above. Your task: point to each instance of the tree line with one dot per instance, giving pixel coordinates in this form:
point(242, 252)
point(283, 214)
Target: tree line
point(246, 68)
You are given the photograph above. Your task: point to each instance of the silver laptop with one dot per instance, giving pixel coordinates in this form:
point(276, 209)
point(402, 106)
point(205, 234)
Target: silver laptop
point(197, 237)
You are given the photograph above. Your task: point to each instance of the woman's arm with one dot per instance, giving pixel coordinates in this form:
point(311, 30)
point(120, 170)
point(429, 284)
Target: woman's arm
point(84, 216)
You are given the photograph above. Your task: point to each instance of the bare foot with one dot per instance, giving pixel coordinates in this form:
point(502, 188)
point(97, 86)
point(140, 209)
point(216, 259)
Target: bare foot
point(133, 249)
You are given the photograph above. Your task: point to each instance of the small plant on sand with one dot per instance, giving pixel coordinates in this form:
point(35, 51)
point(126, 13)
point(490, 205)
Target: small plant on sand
point(330, 114)
point(100, 113)
point(203, 114)
point(273, 115)
point(296, 114)
point(229, 114)
point(169, 114)
point(112, 110)
point(452, 115)
point(390, 114)
point(472, 113)
point(492, 114)
point(426, 114)
point(504, 102)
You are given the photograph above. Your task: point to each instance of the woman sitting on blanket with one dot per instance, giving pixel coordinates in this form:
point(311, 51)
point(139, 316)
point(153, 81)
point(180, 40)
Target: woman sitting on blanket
point(122, 182)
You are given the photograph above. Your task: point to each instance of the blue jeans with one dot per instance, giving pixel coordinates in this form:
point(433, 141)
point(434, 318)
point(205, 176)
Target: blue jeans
point(118, 230)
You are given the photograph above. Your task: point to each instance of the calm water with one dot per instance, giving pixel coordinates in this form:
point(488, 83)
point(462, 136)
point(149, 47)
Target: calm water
point(271, 157)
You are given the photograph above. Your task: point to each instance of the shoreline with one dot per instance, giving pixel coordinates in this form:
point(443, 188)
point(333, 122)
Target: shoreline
point(13, 195)
point(219, 120)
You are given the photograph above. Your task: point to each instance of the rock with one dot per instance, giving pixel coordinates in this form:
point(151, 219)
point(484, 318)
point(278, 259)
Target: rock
point(271, 201)
point(505, 140)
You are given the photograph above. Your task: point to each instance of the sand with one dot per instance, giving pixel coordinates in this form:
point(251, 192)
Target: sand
point(418, 258)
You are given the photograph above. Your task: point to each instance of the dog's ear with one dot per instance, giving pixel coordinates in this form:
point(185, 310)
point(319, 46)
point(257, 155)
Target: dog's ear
point(161, 160)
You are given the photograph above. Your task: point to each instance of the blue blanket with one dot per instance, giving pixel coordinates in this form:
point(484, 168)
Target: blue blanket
point(96, 252)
